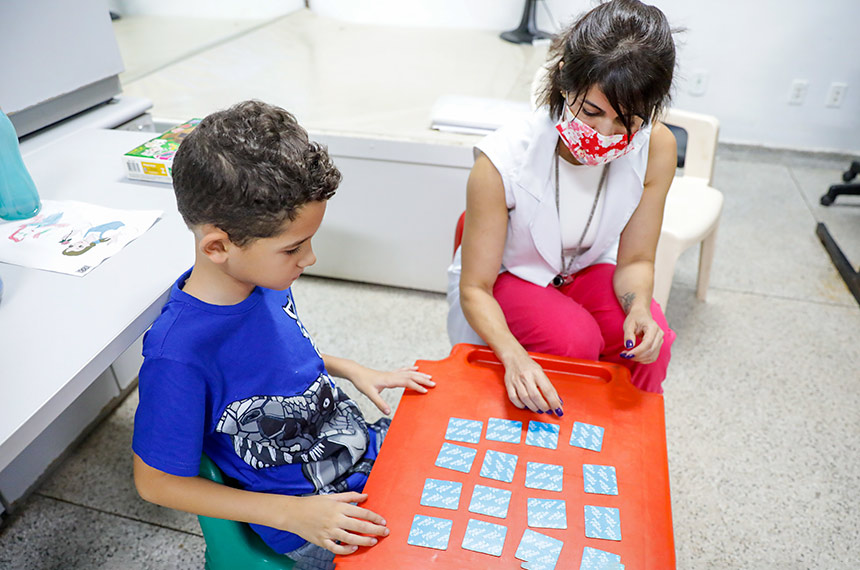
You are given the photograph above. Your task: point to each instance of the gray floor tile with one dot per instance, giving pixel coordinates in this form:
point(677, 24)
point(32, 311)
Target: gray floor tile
point(54, 535)
point(379, 327)
point(762, 421)
point(766, 241)
point(106, 456)
point(842, 217)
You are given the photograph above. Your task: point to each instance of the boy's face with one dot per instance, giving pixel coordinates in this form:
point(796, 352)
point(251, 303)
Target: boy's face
point(276, 262)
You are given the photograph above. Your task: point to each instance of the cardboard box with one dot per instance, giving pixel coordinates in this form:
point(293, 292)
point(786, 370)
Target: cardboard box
point(153, 160)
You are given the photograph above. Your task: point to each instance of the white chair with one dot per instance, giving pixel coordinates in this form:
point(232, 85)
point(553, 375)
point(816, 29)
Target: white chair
point(693, 206)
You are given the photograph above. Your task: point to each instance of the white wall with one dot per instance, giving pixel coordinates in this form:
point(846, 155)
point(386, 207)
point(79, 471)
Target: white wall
point(751, 50)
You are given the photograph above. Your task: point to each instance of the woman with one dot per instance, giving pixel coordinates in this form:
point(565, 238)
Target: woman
point(564, 209)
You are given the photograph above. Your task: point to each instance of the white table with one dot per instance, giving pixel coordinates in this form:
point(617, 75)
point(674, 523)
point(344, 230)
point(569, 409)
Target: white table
point(59, 334)
point(367, 92)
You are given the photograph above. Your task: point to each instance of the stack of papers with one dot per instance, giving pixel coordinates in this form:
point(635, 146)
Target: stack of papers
point(474, 115)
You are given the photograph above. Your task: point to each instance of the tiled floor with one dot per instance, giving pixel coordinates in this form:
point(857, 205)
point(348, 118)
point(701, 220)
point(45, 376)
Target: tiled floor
point(762, 398)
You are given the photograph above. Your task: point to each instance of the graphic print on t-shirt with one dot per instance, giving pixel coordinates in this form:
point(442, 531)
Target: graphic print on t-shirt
point(290, 309)
point(321, 429)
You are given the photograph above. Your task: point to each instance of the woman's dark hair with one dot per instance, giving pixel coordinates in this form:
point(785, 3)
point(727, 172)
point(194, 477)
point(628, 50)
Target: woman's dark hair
point(248, 169)
point(625, 48)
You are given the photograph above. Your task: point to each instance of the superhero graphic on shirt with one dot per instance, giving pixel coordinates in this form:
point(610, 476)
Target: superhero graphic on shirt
point(322, 429)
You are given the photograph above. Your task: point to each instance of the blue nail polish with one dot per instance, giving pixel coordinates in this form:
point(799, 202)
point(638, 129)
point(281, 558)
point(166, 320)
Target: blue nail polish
point(628, 344)
point(540, 411)
point(559, 412)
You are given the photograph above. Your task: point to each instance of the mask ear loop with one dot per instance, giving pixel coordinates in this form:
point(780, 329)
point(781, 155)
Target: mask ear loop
point(567, 105)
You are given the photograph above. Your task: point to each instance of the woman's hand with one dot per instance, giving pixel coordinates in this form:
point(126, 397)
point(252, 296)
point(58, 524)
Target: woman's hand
point(528, 386)
point(371, 382)
point(639, 324)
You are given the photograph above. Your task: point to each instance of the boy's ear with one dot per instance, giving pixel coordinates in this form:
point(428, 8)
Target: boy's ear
point(214, 243)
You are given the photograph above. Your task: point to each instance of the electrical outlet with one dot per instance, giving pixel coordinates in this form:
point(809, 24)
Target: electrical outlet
point(799, 87)
point(836, 94)
point(698, 83)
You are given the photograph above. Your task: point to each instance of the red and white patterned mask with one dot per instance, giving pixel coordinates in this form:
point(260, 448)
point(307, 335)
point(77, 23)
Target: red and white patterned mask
point(588, 146)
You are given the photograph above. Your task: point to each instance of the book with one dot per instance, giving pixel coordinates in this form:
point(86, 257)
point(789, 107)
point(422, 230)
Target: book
point(474, 115)
point(153, 160)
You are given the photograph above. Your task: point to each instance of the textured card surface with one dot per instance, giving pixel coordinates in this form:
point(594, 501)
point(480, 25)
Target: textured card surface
point(467, 431)
point(542, 434)
point(587, 436)
point(490, 501)
point(544, 476)
point(441, 494)
point(499, 466)
point(599, 479)
point(456, 457)
point(547, 513)
point(509, 431)
point(538, 550)
point(602, 522)
point(430, 532)
point(485, 537)
point(594, 559)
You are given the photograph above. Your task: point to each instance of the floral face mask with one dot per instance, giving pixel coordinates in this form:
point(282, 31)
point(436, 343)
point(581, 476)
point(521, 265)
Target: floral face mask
point(590, 147)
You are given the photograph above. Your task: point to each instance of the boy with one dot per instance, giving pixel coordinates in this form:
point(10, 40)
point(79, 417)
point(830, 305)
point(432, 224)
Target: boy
point(230, 370)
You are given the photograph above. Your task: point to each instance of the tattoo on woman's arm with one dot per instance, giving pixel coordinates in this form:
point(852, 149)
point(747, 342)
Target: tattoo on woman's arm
point(627, 301)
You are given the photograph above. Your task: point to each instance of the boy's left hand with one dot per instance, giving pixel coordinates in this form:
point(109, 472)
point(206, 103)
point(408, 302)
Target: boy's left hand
point(372, 382)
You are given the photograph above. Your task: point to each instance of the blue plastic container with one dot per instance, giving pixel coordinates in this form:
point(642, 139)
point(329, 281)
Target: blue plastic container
point(19, 198)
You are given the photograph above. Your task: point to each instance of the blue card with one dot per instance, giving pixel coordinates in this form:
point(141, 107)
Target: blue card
point(484, 537)
point(542, 434)
point(509, 431)
point(544, 476)
point(467, 431)
point(599, 479)
point(586, 436)
point(490, 501)
point(594, 559)
point(499, 466)
point(547, 513)
point(441, 494)
point(456, 457)
point(602, 522)
point(538, 550)
point(430, 532)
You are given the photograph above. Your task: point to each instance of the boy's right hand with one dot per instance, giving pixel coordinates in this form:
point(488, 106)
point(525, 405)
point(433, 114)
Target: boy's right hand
point(332, 522)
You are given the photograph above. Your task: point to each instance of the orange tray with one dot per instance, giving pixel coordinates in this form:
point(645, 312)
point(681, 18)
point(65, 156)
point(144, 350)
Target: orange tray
point(470, 385)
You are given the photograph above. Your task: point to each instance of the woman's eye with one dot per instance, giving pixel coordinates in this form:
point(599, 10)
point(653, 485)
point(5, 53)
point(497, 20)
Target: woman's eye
point(293, 251)
point(590, 113)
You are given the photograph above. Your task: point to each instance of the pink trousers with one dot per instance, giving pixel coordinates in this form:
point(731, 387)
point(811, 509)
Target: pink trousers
point(580, 320)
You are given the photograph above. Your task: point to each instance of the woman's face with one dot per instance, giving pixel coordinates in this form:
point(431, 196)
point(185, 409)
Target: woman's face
point(594, 110)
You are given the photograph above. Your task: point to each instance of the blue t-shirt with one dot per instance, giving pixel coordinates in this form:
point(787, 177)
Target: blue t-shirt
point(246, 384)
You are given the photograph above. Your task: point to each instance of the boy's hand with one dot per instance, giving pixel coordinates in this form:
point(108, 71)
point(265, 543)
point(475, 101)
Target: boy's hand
point(332, 522)
point(372, 382)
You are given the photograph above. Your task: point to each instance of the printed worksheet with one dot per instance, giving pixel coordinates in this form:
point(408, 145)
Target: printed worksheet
point(71, 237)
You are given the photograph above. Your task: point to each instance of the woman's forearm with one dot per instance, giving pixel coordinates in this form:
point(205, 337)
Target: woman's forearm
point(485, 316)
point(634, 285)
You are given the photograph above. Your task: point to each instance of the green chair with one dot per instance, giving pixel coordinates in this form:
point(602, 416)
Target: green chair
point(232, 545)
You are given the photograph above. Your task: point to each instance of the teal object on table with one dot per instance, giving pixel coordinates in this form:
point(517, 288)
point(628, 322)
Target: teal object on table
point(19, 198)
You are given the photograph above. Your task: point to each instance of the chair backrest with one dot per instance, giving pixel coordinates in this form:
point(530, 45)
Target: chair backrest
point(231, 544)
point(702, 133)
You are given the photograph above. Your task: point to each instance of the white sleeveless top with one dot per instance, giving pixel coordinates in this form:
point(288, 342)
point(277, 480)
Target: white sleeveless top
point(523, 153)
point(577, 187)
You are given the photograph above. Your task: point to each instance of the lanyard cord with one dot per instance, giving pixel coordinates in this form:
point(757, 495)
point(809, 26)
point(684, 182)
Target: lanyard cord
point(561, 278)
